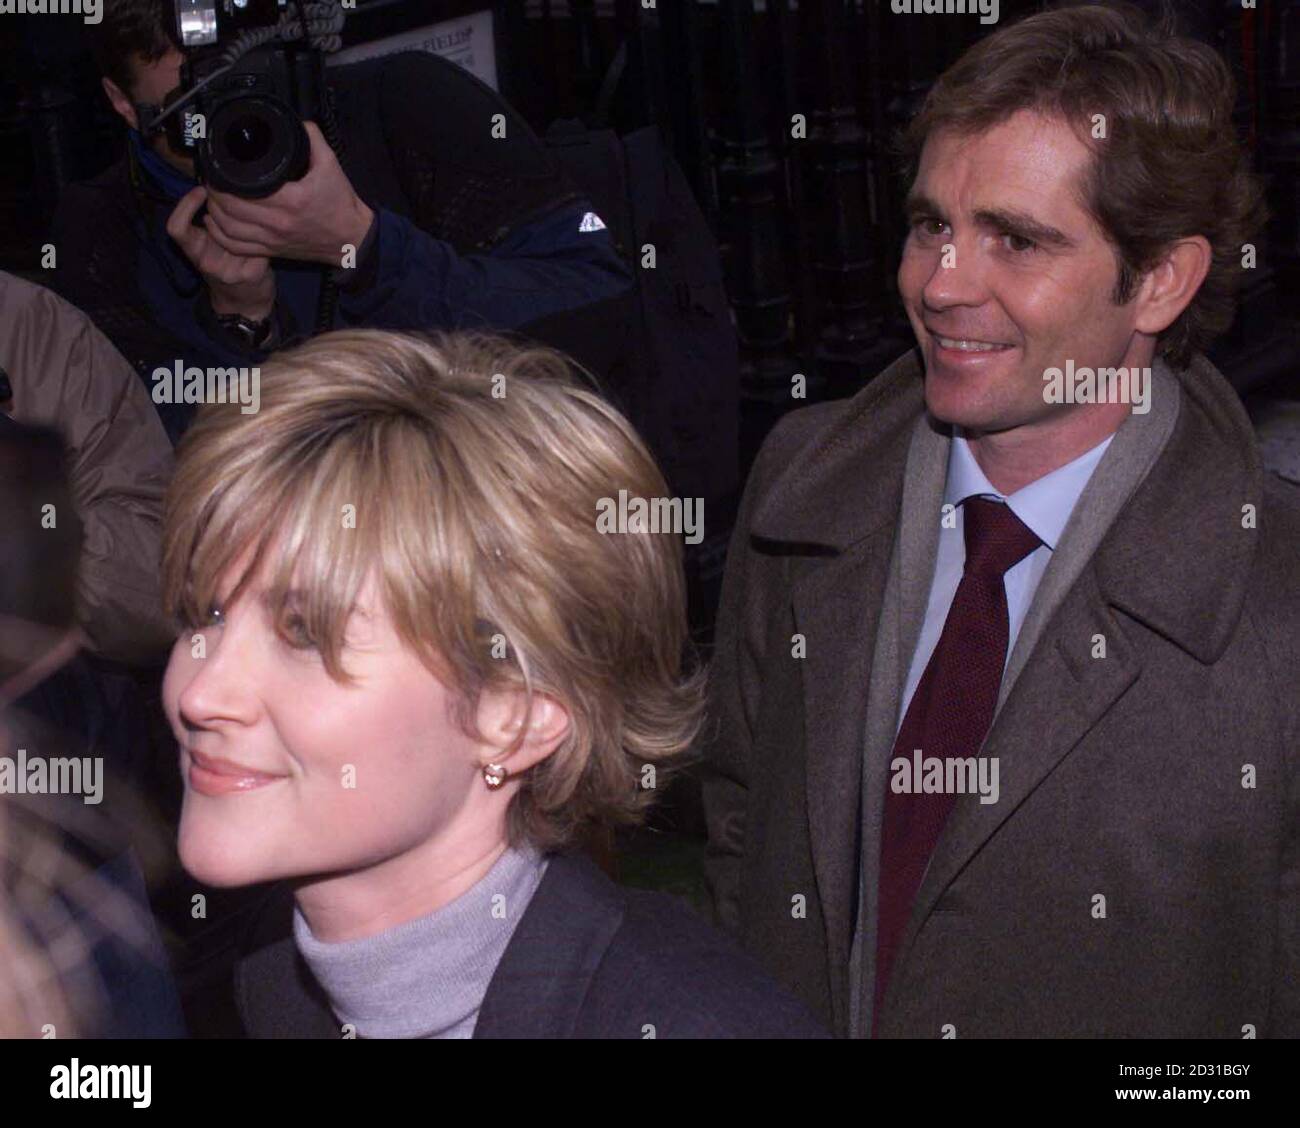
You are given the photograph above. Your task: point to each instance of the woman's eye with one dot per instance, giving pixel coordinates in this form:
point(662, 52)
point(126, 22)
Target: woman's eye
point(296, 634)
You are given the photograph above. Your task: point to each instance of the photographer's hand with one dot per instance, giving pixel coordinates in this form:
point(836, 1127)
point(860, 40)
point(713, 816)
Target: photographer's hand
point(311, 219)
point(237, 283)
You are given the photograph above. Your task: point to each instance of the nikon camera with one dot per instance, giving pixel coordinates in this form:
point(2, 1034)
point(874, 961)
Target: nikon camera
point(247, 93)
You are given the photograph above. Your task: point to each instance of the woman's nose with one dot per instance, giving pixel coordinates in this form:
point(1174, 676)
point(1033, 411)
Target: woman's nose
point(218, 671)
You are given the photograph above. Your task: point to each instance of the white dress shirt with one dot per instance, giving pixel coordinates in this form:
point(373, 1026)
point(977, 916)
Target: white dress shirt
point(1044, 506)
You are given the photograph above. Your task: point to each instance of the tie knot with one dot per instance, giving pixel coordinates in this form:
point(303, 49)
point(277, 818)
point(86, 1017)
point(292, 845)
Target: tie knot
point(996, 539)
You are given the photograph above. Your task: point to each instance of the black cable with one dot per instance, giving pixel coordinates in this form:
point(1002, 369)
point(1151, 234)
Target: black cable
point(327, 303)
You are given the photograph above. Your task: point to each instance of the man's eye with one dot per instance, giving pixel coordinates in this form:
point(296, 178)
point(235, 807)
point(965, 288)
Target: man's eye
point(921, 223)
point(1028, 244)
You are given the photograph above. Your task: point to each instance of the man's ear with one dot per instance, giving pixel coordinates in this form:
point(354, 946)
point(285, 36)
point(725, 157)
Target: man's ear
point(1169, 288)
point(501, 718)
point(121, 103)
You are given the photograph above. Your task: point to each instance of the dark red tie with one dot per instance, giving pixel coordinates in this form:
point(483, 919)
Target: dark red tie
point(949, 714)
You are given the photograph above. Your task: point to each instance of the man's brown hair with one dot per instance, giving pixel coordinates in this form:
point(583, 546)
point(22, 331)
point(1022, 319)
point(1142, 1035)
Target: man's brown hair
point(131, 32)
point(1170, 165)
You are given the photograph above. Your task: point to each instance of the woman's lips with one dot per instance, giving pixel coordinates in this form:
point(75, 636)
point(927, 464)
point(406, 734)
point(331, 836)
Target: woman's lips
point(211, 776)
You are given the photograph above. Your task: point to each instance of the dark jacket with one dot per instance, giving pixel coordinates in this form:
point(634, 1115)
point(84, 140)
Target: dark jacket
point(141, 999)
point(589, 959)
point(473, 231)
point(1122, 776)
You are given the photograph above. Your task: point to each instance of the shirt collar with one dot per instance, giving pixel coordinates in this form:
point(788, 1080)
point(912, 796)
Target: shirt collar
point(1044, 505)
point(171, 182)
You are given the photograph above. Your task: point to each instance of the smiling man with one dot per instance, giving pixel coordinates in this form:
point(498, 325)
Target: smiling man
point(1028, 283)
point(961, 570)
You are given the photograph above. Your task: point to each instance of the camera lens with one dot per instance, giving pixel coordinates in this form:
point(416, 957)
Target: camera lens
point(256, 143)
point(248, 138)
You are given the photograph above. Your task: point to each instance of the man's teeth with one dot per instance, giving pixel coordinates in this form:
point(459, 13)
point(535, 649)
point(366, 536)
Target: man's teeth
point(969, 346)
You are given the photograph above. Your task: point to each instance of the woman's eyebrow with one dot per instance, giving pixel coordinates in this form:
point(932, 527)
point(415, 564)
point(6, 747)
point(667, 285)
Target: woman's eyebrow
point(296, 598)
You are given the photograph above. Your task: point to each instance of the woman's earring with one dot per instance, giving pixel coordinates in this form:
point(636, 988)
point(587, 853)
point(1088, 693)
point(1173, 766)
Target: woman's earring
point(494, 775)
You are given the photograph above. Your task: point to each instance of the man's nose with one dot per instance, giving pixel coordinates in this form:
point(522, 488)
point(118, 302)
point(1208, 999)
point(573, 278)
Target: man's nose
point(957, 277)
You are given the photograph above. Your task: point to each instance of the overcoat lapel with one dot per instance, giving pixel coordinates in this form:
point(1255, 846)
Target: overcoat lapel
point(835, 610)
point(1059, 698)
point(544, 977)
point(835, 509)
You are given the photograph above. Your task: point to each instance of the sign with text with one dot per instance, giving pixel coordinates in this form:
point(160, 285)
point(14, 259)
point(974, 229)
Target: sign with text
point(467, 41)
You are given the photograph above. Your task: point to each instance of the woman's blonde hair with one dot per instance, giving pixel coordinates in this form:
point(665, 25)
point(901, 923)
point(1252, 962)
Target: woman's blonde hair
point(467, 471)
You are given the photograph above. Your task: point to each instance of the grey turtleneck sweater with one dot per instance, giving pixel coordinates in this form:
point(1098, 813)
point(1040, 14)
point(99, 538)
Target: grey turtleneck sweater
point(426, 978)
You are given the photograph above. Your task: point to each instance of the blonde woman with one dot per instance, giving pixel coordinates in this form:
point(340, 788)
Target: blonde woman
point(412, 671)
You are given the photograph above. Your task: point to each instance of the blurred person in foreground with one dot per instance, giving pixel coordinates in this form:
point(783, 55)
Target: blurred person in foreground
point(79, 955)
point(414, 671)
point(60, 371)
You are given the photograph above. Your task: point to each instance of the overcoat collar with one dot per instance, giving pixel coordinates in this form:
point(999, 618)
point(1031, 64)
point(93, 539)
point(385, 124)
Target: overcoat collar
point(846, 484)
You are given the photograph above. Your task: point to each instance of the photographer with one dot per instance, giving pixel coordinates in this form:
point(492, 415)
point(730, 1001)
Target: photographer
point(427, 218)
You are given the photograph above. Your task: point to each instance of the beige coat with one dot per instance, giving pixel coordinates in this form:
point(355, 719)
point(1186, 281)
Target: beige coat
point(66, 374)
